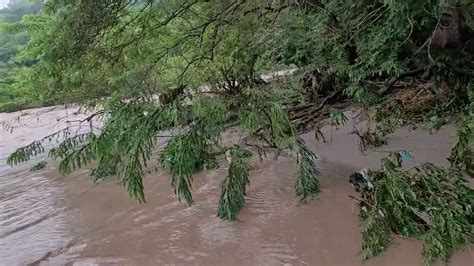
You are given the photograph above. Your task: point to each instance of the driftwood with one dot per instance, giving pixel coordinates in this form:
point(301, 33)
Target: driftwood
point(391, 82)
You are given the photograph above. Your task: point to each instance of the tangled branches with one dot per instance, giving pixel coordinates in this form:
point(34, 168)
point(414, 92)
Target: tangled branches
point(430, 203)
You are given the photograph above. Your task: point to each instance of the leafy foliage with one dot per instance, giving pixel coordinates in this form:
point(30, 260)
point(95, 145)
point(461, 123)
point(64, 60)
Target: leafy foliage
point(15, 33)
point(39, 166)
point(24, 154)
point(462, 154)
point(177, 71)
point(283, 132)
point(234, 184)
point(376, 236)
point(184, 155)
point(431, 203)
point(307, 184)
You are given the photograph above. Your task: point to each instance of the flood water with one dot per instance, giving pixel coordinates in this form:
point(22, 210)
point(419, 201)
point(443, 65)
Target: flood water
point(49, 219)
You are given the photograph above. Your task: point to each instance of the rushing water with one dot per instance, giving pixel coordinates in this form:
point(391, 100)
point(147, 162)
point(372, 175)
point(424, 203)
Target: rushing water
point(49, 219)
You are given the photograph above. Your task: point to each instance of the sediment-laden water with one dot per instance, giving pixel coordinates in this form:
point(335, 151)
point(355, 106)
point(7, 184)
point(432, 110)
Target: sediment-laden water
point(49, 219)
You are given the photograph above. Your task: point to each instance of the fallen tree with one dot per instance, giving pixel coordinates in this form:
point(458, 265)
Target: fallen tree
point(428, 202)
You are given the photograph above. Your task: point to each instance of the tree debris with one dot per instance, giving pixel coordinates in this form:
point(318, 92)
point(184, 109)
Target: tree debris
point(432, 203)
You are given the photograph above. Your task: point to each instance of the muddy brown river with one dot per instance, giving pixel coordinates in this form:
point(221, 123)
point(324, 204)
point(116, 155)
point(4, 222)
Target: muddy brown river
point(49, 219)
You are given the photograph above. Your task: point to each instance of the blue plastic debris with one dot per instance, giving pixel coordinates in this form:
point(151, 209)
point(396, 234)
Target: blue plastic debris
point(406, 156)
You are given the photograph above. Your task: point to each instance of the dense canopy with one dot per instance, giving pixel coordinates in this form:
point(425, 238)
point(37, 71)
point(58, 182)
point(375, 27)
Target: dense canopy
point(194, 69)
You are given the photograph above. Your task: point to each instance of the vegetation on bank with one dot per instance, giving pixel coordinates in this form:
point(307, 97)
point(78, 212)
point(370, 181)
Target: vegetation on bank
point(12, 96)
point(406, 62)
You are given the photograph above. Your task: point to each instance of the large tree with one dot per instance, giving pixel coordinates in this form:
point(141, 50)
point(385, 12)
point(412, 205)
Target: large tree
point(117, 56)
point(11, 41)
